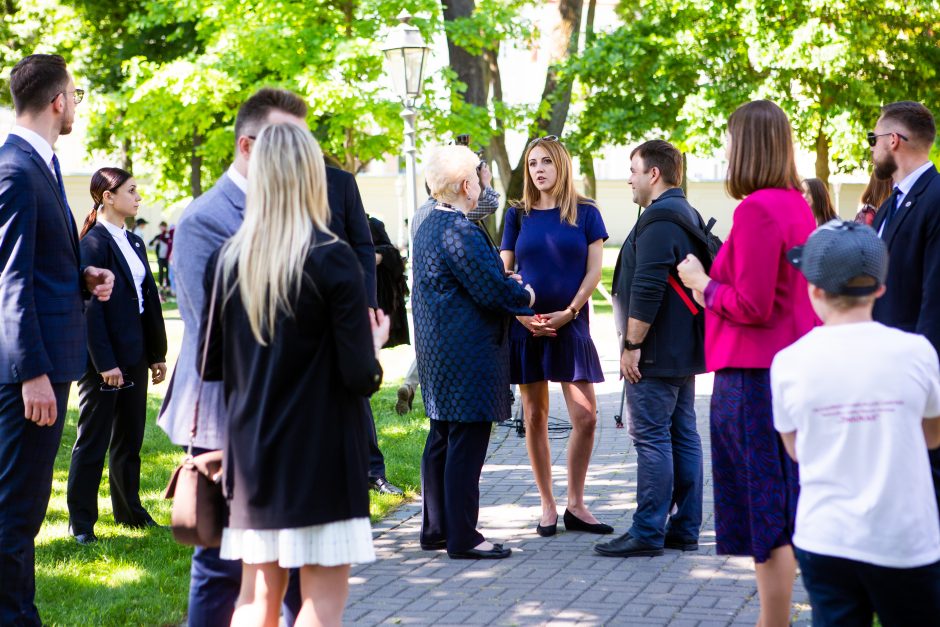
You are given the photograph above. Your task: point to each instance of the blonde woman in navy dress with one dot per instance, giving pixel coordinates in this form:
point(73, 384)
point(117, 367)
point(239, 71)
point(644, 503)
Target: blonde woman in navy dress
point(555, 238)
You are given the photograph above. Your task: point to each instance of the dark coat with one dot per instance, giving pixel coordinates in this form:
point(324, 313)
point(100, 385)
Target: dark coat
point(43, 328)
point(297, 448)
point(912, 302)
point(348, 220)
point(391, 285)
point(118, 334)
point(462, 305)
point(675, 343)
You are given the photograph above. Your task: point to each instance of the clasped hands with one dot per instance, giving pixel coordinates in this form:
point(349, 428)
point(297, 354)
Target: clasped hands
point(546, 325)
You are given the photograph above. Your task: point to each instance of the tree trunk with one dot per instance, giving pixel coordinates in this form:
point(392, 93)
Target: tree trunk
point(685, 174)
point(195, 165)
point(469, 68)
point(497, 146)
point(587, 171)
point(127, 156)
point(557, 92)
point(822, 157)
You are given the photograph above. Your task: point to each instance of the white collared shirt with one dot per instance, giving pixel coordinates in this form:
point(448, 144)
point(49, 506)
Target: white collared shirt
point(138, 270)
point(38, 142)
point(905, 187)
point(240, 181)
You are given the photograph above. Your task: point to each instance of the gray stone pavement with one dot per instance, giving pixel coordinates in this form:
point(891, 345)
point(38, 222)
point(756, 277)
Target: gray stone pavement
point(558, 580)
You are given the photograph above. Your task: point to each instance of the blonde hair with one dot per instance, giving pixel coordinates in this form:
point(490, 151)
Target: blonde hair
point(448, 167)
point(564, 191)
point(286, 203)
point(761, 154)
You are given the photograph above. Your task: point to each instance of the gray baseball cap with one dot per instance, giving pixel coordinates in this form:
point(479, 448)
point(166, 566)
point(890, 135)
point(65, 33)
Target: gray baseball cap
point(839, 251)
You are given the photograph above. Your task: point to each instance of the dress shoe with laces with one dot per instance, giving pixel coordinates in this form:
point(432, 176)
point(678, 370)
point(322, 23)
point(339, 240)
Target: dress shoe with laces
point(626, 546)
point(85, 538)
point(496, 553)
point(406, 395)
point(573, 523)
point(382, 486)
point(681, 543)
point(547, 531)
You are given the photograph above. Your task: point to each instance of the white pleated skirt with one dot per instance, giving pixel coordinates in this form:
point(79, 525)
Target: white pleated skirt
point(330, 544)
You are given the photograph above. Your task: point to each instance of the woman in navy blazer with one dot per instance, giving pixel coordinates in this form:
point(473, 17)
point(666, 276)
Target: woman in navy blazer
point(463, 302)
point(126, 339)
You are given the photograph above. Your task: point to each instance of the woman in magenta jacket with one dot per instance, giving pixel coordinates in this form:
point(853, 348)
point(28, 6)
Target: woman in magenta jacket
point(756, 304)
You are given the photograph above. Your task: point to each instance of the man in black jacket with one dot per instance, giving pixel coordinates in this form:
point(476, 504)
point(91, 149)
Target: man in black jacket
point(909, 224)
point(662, 334)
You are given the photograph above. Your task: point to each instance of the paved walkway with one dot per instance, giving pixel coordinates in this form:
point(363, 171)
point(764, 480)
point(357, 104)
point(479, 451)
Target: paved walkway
point(558, 580)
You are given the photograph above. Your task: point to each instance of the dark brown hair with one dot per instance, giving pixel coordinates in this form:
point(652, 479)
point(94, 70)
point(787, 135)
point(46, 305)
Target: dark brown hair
point(36, 80)
point(662, 155)
point(761, 154)
point(821, 203)
point(254, 111)
point(876, 192)
point(916, 120)
point(104, 180)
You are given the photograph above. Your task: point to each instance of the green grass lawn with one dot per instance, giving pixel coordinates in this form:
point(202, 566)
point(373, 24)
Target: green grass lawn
point(141, 577)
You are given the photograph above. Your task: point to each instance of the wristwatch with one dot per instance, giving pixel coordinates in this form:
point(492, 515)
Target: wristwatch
point(630, 346)
point(574, 312)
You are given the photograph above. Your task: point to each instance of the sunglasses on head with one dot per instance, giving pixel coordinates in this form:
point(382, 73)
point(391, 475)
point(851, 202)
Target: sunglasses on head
point(873, 138)
point(547, 138)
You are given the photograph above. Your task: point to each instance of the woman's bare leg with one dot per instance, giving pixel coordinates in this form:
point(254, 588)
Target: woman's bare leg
point(260, 596)
point(775, 579)
point(323, 591)
point(582, 411)
point(535, 410)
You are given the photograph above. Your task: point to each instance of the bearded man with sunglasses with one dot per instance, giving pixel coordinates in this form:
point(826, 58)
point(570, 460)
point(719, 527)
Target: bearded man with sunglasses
point(909, 223)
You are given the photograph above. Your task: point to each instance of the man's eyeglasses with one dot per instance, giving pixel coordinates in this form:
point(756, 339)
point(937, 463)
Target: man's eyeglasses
point(873, 138)
point(77, 95)
point(547, 138)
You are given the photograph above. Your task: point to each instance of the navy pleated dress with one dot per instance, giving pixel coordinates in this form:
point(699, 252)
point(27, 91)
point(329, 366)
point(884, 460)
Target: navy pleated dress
point(552, 257)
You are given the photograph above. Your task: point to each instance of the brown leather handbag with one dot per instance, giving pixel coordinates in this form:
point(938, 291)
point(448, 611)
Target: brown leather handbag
point(199, 508)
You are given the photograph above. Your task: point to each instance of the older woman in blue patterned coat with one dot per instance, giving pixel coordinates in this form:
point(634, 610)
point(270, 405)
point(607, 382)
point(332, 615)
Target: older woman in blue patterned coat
point(463, 302)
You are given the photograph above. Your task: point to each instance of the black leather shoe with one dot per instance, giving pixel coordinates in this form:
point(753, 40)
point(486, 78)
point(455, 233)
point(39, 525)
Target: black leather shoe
point(406, 395)
point(573, 523)
point(382, 486)
point(143, 524)
point(86, 538)
point(440, 545)
point(496, 553)
point(548, 530)
point(681, 543)
point(626, 546)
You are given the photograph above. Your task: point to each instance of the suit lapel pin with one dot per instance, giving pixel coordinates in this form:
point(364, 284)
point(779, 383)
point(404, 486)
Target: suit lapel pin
point(137, 244)
point(907, 204)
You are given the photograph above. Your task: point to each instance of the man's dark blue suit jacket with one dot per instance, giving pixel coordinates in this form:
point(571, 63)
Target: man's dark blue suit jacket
point(42, 329)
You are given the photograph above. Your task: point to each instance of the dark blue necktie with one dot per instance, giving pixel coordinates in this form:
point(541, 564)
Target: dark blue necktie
point(58, 178)
point(892, 208)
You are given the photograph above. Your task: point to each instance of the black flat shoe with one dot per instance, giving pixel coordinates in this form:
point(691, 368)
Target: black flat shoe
point(440, 545)
point(548, 530)
point(496, 553)
point(626, 546)
point(573, 523)
point(681, 543)
point(142, 524)
point(383, 486)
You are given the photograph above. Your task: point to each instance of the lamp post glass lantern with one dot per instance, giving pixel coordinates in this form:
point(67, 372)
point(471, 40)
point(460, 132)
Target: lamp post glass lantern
point(405, 54)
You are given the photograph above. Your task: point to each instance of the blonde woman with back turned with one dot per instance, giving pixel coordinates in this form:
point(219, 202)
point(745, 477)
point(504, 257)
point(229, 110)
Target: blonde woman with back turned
point(290, 339)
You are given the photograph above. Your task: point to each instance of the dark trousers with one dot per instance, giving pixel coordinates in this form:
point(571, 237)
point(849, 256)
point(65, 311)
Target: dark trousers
point(376, 459)
point(450, 483)
point(163, 272)
point(214, 584)
point(935, 469)
point(846, 593)
point(27, 456)
point(669, 458)
point(108, 423)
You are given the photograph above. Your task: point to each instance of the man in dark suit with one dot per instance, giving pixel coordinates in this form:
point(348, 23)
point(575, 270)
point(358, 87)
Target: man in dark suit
point(909, 223)
point(204, 226)
point(42, 343)
point(662, 349)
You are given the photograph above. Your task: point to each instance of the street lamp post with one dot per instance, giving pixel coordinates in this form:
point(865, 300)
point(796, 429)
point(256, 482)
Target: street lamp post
point(405, 54)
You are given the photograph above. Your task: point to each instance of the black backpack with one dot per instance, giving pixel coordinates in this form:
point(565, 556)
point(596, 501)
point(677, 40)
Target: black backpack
point(709, 244)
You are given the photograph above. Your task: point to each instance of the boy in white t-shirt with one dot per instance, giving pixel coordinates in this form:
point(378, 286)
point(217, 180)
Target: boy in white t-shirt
point(856, 403)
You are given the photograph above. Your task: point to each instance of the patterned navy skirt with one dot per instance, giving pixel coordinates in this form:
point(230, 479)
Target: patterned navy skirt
point(756, 482)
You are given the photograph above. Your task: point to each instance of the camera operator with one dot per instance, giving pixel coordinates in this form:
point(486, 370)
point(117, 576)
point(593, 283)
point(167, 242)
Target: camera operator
point(487, 205)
